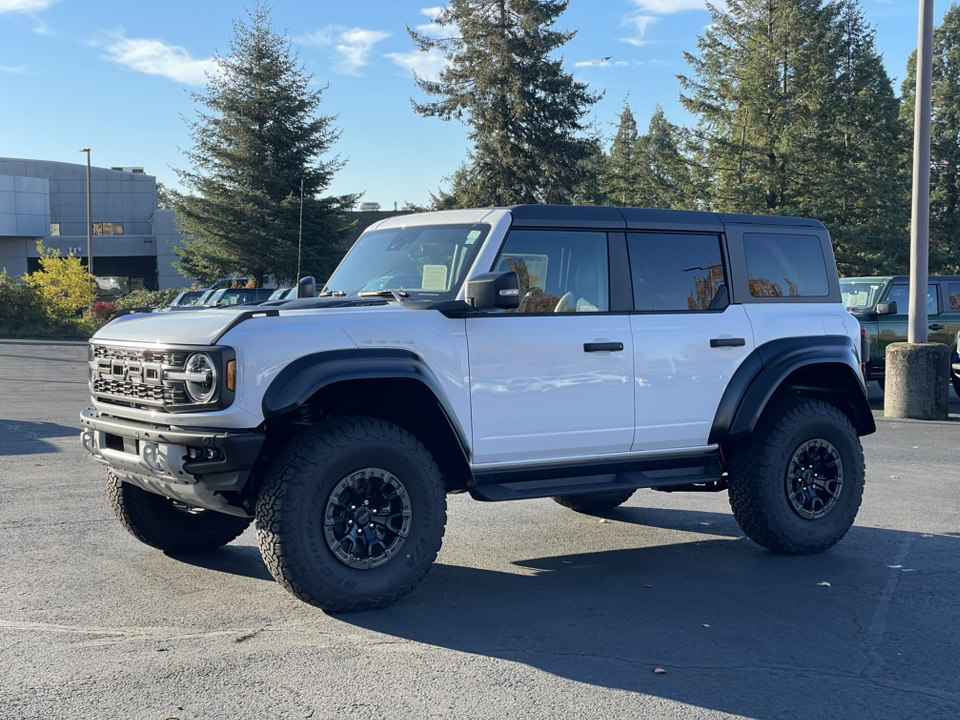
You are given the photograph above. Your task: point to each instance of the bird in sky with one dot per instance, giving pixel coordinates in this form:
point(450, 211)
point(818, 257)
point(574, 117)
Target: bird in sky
point(601, 61)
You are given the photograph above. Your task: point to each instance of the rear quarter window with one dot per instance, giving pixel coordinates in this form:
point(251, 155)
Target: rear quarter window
point(785, 265)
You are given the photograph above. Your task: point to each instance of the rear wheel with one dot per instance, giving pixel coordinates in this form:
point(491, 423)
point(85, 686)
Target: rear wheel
point(598, 502)
point(797, 482)
point(169, 525)
point(351, 514)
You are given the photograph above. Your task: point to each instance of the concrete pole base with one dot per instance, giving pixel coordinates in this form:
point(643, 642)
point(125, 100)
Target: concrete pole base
point(917, 381)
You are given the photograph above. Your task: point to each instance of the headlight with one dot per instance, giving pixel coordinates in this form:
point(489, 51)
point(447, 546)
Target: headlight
point(200, 377)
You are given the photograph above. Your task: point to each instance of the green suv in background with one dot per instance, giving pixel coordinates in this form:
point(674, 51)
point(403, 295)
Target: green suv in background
point(882, 304)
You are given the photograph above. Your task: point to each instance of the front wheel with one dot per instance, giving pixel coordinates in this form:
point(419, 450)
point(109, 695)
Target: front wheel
point(797, 482)
point(351, 514)
point(169, 525)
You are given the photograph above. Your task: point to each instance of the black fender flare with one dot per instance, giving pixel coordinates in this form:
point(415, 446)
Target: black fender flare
point(764, 370)
point(305, 376)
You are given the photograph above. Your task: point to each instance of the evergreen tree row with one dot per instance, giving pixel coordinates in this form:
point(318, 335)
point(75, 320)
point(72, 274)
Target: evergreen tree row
point(795, 115)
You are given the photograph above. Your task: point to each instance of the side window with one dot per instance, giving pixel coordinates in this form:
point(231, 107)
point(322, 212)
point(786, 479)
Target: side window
point(785, 265)
point(560, 271)
point(900, 294)
point(675, 273)
point(953, 296)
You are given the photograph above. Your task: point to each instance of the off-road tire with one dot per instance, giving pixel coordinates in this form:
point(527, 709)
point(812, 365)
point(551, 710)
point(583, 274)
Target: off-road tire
point(174, 528)
point(300, 494)
point(758, 468)
point(593, 503)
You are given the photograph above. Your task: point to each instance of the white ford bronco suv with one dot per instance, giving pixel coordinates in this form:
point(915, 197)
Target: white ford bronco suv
point(577, 353)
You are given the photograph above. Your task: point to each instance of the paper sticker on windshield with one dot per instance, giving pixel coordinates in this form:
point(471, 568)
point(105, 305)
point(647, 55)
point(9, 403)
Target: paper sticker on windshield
point(434, 277)
point(472, 237)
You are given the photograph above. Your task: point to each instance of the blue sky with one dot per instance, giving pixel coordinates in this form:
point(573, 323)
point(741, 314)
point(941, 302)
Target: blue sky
point(116, 76)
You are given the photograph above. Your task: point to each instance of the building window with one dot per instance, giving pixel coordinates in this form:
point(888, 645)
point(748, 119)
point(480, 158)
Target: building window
point(54, 229)
point(108, 228)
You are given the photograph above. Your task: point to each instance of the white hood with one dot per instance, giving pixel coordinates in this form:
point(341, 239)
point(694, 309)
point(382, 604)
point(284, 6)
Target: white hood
point(180, 328)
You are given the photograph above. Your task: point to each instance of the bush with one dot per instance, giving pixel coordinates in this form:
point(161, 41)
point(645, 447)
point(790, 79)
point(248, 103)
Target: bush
point(64, 284)
point(103, 310)
point(146, 298)
point(21, 309)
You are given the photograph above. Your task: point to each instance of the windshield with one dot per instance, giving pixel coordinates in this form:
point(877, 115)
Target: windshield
point(186, 298)
point(426, 262)
point(861, 294)
point(205, 298)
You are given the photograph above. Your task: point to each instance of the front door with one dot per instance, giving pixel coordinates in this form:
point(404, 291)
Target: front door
point(553, 380)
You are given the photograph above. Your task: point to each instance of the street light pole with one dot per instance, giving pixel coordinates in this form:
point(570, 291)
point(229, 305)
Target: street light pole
point(920, 224)
point(89, 217)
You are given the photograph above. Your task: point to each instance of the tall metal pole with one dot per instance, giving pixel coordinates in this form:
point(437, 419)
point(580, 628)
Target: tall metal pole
point(300, 234)
point(920, 222)
point(89, 217)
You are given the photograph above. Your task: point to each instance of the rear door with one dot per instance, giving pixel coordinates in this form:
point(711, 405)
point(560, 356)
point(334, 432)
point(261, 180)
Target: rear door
point(688, 339)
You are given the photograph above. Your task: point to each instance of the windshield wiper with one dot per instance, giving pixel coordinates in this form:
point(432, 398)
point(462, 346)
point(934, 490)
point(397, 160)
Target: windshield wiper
point(398, 294)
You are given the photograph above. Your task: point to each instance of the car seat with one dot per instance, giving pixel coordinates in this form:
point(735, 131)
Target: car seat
point(585, 290)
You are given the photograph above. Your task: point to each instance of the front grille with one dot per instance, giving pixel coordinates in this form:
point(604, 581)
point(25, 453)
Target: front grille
point(134, 377)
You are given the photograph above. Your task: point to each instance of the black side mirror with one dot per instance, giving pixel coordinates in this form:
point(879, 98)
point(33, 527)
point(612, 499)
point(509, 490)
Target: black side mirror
point(889, 308)
point(307, 287)
point(494, 290)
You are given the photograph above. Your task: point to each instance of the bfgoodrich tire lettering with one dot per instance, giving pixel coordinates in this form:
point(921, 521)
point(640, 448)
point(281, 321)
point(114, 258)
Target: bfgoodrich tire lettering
point(169, 526)
point(313, 495)
point(598, 502)
point(797, 482)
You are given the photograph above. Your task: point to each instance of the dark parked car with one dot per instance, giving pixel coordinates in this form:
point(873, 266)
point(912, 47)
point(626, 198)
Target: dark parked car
point(882, 305)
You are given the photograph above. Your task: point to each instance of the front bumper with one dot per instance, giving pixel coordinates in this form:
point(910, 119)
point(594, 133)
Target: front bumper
point(191, 466)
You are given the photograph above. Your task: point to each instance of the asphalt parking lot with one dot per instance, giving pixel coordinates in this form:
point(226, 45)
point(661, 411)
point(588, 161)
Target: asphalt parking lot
point(532, 611)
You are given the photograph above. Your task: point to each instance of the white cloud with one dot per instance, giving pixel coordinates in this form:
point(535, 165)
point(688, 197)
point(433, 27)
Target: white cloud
point(432, 29)
point(13, 70)
point(668, 7)
point(354, 45)
point(24, 6)
point(640, 24)
point(357, 45)
point(155, 57)
point(427, 65)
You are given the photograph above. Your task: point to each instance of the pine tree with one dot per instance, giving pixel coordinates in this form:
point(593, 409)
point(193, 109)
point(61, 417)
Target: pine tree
point(797, 116)
point(866, 207)
point(944, 141)
point(525, 114)
point(256, 140)
point(665, 179)
point(621, 179)
point(761, 77)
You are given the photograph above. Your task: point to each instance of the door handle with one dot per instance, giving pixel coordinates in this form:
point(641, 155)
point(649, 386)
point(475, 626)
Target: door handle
point(727, 342)
point(936, 326)
point(603, 347)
